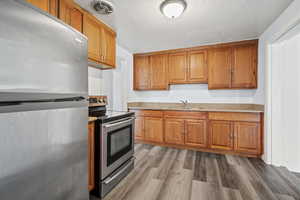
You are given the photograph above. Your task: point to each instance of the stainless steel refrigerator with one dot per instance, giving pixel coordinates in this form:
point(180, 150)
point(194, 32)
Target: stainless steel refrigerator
point(43, 106)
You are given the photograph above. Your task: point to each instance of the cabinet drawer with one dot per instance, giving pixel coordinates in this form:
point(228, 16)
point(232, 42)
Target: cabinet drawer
point(148, 113)
point(185, 115)
point(246, 117)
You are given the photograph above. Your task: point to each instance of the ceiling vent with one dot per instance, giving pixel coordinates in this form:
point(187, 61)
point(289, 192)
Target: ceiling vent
point(103, 7)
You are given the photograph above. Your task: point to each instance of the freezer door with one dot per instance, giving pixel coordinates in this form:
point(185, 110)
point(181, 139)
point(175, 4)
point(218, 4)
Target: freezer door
point(39, 54)
point(43, 155)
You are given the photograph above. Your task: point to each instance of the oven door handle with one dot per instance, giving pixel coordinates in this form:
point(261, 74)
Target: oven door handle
point(111, 178)
point(118, 124)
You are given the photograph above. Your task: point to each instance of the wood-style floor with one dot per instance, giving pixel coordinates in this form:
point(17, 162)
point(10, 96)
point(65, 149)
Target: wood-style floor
point(172, 174)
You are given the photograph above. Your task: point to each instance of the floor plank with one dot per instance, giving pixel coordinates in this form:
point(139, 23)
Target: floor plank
point(163, 173)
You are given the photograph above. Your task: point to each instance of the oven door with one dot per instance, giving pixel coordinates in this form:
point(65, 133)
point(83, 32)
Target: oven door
point(117, 145)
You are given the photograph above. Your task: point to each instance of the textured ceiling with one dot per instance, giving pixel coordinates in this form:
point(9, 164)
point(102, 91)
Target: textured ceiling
point(141, 27)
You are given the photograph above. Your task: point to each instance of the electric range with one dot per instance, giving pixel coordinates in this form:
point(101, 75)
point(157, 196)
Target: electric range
point(114, 145)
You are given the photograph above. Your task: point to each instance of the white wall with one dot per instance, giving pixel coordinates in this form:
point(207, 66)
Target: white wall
point(284, 22)
point(113, 83)
point(285, 103)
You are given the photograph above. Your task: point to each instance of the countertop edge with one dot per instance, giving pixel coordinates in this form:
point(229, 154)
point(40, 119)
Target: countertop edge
point(196, 110)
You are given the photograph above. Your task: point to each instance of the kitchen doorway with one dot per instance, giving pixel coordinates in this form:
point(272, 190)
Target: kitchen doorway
point(284, 86)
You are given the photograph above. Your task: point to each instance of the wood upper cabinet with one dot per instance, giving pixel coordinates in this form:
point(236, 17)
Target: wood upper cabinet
point(153, 129)
point(178, 68)
point(174, 131)
point(247, 137)
point(196, 133)
point(101, 41)
point(50, 6)
point(233, 67)
point(219, 62)
point(92, 30)
point(91, 156)
point(141, 73)
point(197, 68)
point(244, 66)
point(108, 46)
point(158, 72)
point(139, 128)
point(71, 14)
point(221, 135)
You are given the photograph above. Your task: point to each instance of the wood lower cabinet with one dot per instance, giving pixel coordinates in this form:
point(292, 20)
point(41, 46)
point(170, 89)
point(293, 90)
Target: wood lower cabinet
point(196, 133)
point(149, 126)
point(139, 128)
point(153, 129)
point(220, 132)
point(71, 14)
point(91, 155)
point(221, 135)
point(247, 137)
point(174, 131)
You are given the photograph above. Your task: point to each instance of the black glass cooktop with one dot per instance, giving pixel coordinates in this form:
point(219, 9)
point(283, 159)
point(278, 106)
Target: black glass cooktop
point(109, 115)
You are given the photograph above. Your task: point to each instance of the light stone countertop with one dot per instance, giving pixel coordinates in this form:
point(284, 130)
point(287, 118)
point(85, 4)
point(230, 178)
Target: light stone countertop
point(204, 107)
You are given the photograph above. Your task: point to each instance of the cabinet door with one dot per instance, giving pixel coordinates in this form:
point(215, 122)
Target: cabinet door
point(197, 70)
point(91, 154)
point(159, 67)
point(174, 131)
point(139, 128)
point(247, 137)
point(70, 14)
point(108, 46)
point(221, 135)
point(178, 68)
point(219, 66)
point(153, 129)
point(41, 4)
point(244, 66)
point(91, 28)
point(141, 73)
point(196, 133)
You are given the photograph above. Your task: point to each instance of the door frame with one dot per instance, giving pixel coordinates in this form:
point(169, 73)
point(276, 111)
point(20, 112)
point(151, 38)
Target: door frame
point(270, 45)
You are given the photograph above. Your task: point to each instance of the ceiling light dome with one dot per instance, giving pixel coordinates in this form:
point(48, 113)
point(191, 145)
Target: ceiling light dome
point(173, 8)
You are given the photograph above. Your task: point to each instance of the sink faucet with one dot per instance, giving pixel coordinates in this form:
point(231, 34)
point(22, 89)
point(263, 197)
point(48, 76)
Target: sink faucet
point(185, 102)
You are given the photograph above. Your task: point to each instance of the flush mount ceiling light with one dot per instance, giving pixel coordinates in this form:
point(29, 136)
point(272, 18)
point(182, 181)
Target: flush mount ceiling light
point(173, 8)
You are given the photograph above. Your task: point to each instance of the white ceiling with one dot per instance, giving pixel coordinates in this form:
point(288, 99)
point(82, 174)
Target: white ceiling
point(141, 27)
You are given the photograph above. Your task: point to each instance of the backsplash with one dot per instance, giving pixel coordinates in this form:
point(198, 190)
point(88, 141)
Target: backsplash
point(95, 82)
